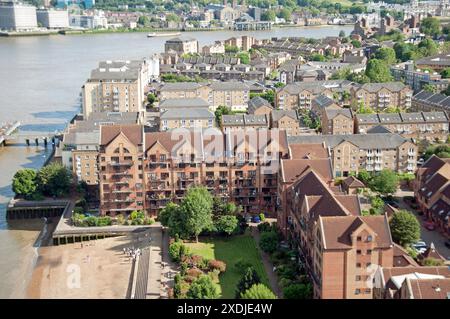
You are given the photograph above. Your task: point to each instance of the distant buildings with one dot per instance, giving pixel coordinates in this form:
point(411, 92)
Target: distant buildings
point(16, 16)
point(427, 101)
point(93, 21)
point(87, 4)
point(380, 96)
point(435, 62)
point(417, 79)
point(53, 19)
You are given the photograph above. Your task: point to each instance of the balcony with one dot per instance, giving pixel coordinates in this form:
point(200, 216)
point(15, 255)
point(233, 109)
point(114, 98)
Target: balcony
point(121, 163)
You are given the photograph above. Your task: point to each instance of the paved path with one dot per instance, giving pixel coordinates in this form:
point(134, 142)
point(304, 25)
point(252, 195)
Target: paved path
point(154, 269)
point(273, 278)
point(169, 270)
point(428, 236)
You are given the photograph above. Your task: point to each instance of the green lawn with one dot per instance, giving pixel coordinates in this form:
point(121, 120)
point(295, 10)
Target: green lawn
point(231, 250)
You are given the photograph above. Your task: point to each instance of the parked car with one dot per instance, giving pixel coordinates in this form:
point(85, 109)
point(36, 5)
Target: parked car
point(447, 243)
point(256, 219)
point(429, 226)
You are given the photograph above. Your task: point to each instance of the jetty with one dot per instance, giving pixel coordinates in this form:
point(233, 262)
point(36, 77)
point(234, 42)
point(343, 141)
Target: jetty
point(7, 130)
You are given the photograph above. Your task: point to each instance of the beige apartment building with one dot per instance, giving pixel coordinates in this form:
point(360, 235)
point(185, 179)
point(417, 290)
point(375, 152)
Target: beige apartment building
point(431, 126)
point(380, 96)
point(301, 94)
point(116, 86)
point(186, 118)
point(145, 171)
point(287, 120)
point(244, 121)
point(370, 152)
point(181, 45)
point(337, 121)
point(235, 95)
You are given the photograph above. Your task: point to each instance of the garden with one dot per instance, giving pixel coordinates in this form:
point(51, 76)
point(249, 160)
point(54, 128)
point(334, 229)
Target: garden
point(216, 254)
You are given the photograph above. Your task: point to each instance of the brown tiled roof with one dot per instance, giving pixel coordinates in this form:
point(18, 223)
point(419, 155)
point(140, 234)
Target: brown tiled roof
point(292, 169)
point(431, 252)
point(389, 272)
point(353, 182)
point(351, 203)
point(308, 150)
point(429, 288)
point(337, 230)
point(133, 132)
point(402, 258)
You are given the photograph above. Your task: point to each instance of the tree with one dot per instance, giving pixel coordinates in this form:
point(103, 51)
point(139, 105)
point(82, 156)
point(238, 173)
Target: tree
point(298, 291)
point(378, 71)
point(356, 43)
point(231, 48)
point(318, 57)
point(172, 18)
point(269, 241)
point(196, 211)
point(249, 279)
point(432, 262)
point(268, 15)
point(171, 217)
point(386, 54)
point(24, 183)
point(226, 224)
point(342, 34)
point(203, 288)
point(222, 110)
point(244, 57)
point(151, 98)
point(429, 88)
point(364, 176)
point(427, 47)
point(405, 228)
point(285, 14)
point(143, 21)
point(377, 204)
point(430, 26)
point(445, 73)
point(54, 180)
point(385, 182)
point(258, 291)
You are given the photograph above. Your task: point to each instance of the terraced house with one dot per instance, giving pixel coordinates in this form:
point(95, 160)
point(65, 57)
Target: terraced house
point(380, 96)
point(370, 152)
point(431, 126)
point(145, 171)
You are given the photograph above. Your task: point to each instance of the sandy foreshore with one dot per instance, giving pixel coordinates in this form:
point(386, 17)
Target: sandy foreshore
point(96, 269)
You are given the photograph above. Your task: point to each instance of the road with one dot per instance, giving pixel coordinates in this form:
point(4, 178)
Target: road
point(427, 236)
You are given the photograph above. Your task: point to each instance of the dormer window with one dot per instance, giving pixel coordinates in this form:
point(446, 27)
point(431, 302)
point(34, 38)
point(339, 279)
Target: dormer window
point(369, 238)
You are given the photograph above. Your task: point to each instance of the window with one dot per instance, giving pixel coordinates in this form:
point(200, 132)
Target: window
point(358, 238)
point(369, 251)
point(358, 278)
point(358, 251)
point(358, 265)
point(357, 291)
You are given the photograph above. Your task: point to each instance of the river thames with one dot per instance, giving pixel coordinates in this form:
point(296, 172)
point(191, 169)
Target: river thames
point(40, 81)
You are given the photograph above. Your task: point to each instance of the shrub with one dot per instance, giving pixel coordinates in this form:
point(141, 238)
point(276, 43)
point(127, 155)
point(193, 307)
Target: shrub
point(264, 227)
point(258, 291)
point(269, 241)
point(120, 219)
point(174, 251)
point(104, 221)
point(298, 291)
point(149, 221)
point(249, 278)
point(262, 217)
point(78, 210)
point(91, 221)
point(217, 264)
point(284, 282)
point(194, 272)
point(432, 262)
point(203, 288)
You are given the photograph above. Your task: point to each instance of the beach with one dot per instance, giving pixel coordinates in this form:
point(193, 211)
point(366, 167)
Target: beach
point(95, 269)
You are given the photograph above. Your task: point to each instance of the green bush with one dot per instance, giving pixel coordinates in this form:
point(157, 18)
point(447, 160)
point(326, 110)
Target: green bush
point(78, 210)
point(269, 241)
point(174, 251)
point(298, 291)
point(241, 265)
point(262, 217)
point(264, 227)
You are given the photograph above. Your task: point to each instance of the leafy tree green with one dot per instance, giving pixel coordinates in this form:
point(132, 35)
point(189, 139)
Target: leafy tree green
point(171, 217)
point(258, 291)
point(203, 288)
point(427, 47)
point(151, 98)
point(269, 241)
point(24, 183)
point(442, 151)
point(385, 182)
point(196, 211)
point(54, 180)
point(268, 15)
point(377, 204)
point(432, 262)
point(405, 228)
point(226, 224)
point(364, 176)
point(378, 71)
point(356, 43)
point(222, 110)
point(445, 73)
point(143, 21)
point(386, 54)
point(430, 88)
point(231, 48)
point(430, 26)
point(298, 291)
point(247, 280)
point(244, 57)
point(318, 57)
point(171, 17)
point(285, 14)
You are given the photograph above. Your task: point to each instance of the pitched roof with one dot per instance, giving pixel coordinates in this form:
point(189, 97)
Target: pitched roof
point(402, 258)
point(292, 169)
point(187, 114)
point(353, 182)
point(337, 230)
point(133, 132)
point(428, 288)
point(256, 103)
point(312, 151)
point(183, 103)
point(278, 114)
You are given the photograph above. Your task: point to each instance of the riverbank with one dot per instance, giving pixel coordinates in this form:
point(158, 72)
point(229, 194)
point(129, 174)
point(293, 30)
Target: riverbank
point(150, 30)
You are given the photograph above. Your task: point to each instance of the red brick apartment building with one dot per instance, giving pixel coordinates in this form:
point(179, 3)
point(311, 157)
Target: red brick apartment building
point(144, 171)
